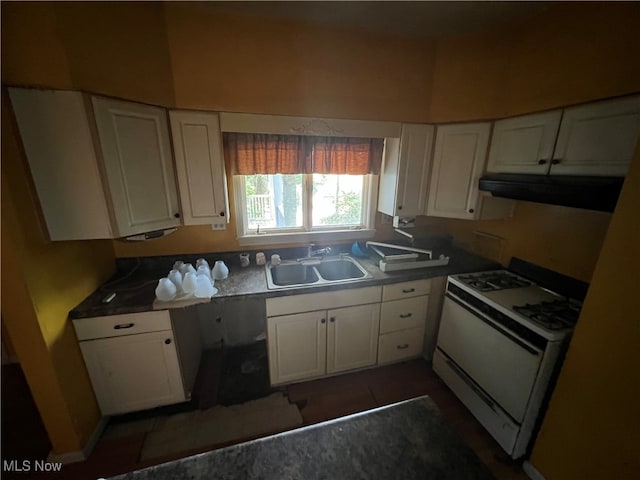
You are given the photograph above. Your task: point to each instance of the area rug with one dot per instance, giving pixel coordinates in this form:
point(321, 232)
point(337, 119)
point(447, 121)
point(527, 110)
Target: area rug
point(220, 425)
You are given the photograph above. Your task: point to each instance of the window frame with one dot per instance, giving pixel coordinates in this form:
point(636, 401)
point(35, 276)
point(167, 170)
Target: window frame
point(306, 233)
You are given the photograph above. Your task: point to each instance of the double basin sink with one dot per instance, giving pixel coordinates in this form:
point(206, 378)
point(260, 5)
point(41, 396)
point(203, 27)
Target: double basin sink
point(327, 270)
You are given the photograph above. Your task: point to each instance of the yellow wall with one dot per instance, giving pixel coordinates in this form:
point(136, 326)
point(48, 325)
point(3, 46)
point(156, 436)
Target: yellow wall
point(197, 57)
point(592, 429)
point(112, 49)
point(41, 282)
point(569, 53)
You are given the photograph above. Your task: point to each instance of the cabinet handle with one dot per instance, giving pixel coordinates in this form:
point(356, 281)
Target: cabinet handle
point(322, 320)
point(542, 161)
point(123, 325)
point(408, 290)
point(406, 315)
point(403, 347)
point(555, 161)
point(177, 215)
point(332, 319)
point(167, 341)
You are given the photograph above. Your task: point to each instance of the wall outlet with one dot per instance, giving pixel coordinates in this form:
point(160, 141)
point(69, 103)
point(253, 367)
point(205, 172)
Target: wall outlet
point(221, 225)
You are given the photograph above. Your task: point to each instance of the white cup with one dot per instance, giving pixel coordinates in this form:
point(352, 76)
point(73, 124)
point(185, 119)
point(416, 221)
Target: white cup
point(176, 277)
point(204, 270)
point(165, 290)
point(275, 259)
point(189, 282)
point(220, 271)
point(204, 287)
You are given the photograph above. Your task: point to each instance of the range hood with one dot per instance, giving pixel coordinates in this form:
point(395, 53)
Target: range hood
point(591, 193)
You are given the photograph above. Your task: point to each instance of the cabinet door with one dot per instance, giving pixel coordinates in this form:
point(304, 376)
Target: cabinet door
point(136, 150)
point(297, 346)
point(200, 166)
point(134, 372)
point(352, 337)
point(458, 161)
point(56, 134)
point(403, 182)
point(524, 144)
point(598, 138)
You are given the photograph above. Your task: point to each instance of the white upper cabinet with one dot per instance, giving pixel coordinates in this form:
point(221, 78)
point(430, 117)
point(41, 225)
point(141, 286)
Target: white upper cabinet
point(200, 166)
point(598, 138)
point(119, 184)
point(592, 139)
point(56, 134)
point(136, 150)
point(405, 170)
point(524, 144)
point(458, 162)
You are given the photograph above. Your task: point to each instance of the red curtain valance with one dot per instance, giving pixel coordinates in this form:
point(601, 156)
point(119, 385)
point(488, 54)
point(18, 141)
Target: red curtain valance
point(258, 153)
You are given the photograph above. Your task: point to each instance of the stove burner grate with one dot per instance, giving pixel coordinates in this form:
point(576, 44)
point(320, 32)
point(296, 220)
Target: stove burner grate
point(553, 314)
point(487, 282)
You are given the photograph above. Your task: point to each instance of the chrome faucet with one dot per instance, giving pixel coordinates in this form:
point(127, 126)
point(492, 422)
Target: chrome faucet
point(311, 253)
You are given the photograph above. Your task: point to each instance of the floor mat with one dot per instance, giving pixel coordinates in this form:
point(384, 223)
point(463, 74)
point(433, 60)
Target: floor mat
point(220, 425)
point(245, 374)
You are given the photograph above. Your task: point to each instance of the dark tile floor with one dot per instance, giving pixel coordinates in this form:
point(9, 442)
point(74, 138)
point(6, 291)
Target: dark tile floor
point(318, 400)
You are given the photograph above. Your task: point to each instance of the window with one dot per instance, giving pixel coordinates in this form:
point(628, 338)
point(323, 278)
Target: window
point(330, 198)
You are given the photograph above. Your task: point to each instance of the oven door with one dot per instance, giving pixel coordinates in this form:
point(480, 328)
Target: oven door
point(503, 365)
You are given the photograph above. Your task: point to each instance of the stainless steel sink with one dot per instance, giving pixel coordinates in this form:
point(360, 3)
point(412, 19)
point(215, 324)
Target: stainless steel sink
point(307, 272)
point(287, 274)
point(340, 269)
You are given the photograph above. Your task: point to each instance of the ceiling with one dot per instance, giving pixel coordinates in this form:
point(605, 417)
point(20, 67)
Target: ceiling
point(428, 19)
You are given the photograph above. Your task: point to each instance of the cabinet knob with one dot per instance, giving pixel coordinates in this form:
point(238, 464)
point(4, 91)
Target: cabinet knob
point(167, 341)
point(399, 207)
point(542, 161)
point(555, 161)
point(323, 321)
point(471, 210)
point(177, 215)
point(222, 214)
point(332, 319)
point(218, 319)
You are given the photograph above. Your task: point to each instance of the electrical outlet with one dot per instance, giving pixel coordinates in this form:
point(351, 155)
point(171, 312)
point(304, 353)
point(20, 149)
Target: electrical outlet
point(220, 225)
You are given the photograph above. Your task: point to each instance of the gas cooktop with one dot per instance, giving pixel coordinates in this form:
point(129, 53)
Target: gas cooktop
point(521, 298)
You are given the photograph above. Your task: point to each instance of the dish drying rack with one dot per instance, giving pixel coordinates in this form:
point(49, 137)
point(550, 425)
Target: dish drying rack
point(407, 258)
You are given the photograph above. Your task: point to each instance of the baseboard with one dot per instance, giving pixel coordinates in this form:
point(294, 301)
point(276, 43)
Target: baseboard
point(81, 455)
point(531, 471)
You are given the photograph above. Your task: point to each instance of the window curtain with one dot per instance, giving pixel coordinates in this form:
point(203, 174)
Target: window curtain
point(257, 153)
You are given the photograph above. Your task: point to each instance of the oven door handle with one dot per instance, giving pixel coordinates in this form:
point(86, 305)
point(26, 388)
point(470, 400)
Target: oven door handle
point(503, 331)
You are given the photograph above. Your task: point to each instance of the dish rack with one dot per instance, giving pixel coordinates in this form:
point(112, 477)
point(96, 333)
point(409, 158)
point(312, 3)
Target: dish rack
point(399, 257)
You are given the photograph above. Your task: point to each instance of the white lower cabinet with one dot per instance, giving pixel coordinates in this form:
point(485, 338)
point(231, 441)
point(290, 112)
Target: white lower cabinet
point(310, 344)
point(297, 346)
point(403, 316)
point(132, 361)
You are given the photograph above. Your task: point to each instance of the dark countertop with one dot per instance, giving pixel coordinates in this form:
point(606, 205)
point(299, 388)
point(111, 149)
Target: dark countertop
point(408, 440)
point(135, 289)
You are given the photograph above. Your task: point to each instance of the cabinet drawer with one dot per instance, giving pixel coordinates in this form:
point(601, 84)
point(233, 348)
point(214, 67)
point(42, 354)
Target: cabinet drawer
point(118, 325)
point(397, 291)
point(396, 346)
point(402, 314)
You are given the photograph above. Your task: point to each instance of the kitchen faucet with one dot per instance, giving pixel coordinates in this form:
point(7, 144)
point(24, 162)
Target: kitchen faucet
point(314, 253)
